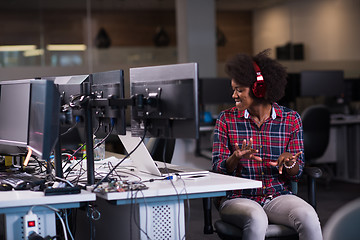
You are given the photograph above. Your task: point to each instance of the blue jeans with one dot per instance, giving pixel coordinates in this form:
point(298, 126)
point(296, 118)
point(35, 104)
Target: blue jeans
point(289, 210)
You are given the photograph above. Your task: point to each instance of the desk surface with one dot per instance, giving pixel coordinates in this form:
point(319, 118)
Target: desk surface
point(211, 183)
point(345, 119)
point(17, 198)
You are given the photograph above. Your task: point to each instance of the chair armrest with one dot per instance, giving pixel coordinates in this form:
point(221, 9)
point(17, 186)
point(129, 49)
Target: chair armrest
point(313, 172)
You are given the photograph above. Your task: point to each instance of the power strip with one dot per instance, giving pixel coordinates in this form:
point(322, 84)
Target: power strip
point(31, 224)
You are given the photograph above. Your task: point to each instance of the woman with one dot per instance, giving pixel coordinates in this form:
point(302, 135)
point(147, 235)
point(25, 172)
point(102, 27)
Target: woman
point(258, 139)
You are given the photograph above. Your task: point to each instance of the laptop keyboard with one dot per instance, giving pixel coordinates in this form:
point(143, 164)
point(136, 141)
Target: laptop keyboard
point(168, 170)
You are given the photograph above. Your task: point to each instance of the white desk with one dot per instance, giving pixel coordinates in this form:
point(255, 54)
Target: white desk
point(15, 204)
point(161, 208)
point(211, 185)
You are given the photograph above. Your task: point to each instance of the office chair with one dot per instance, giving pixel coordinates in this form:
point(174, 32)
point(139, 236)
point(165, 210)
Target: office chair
point(161, 149)
point(344, 223)
point(316, 123)
point(316, 129)
point(227, 231)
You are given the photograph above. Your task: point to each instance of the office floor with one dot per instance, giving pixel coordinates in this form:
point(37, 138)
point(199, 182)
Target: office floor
point(329, 199)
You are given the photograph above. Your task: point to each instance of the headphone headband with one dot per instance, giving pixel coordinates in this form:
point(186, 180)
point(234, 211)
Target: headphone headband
point(259, 76)
point(259, 87)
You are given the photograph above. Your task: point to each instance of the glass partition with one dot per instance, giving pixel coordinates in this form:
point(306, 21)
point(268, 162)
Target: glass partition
point(86, 34)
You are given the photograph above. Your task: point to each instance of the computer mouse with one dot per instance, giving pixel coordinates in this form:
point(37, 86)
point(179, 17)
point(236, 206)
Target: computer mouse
point(5, 187)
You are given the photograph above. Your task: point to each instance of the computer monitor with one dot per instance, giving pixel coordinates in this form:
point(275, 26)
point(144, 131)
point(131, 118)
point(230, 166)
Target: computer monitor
point(215, 90)
point(44, 118)
point(96, 86)
point(108, 85)
point(328, 83)
point(85, 101)
point(29, 117)
point(292, 91)
point(71, 89)
point(352, 89)
point(166, 101)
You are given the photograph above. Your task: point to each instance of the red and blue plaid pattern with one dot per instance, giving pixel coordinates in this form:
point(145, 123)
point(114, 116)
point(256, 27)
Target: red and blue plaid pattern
point(281, 132)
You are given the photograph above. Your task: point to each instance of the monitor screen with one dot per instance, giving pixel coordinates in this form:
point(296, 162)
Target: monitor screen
point(30, 117)
point(352, 89)
point(168, 102)
point(329, 83)
point(14, 107)
point(215, 91)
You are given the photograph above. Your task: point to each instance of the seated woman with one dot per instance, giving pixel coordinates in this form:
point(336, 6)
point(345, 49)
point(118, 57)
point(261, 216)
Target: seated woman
point(261, 140)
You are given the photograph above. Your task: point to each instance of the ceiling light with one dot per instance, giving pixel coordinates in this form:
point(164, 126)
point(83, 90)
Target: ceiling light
point(66, 47)
point(16, 48)
point(33, 52)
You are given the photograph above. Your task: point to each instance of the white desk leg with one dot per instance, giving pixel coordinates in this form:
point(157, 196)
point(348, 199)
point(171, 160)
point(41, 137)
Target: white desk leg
point(162, 220)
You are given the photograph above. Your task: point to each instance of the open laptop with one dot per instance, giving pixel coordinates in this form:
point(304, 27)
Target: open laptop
point(143, 161)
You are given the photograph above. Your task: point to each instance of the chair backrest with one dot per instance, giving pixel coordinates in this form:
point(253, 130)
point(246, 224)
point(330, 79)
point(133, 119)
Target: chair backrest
point(316, 128)
point(160, 148)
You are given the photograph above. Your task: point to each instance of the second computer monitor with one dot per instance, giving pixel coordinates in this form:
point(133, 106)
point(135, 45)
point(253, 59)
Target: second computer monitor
point(30, 117)
point(166, 101)
point(328, 83)
point(109, 85)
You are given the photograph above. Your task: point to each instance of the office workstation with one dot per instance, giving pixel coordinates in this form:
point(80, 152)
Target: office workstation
point(94, 105)
point(154, 194)
point(98, 98)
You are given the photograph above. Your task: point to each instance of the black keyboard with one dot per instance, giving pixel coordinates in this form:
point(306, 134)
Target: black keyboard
point(61, 191)
point(20, 180)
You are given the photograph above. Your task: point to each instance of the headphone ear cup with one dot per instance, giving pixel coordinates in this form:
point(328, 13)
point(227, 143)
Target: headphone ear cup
point(259, 89)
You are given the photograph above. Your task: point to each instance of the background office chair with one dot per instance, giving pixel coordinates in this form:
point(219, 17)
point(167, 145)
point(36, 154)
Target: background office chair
point(316, 127)
point(344, 223)
point(161, 149)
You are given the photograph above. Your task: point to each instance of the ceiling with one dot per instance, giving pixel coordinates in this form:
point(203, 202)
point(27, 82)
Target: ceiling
point(129, 4)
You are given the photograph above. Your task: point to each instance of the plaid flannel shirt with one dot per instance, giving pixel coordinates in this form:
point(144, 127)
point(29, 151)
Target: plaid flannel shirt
point(281, 132)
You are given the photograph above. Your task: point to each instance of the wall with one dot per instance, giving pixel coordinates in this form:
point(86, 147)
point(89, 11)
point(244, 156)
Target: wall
point(238, 31)
point(131, 34)
point(327, 28)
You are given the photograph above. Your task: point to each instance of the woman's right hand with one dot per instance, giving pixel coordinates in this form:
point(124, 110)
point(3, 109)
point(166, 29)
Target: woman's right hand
point(246, 151)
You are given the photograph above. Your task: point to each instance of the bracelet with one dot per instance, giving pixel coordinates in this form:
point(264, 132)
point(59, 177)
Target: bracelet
point(290, 167)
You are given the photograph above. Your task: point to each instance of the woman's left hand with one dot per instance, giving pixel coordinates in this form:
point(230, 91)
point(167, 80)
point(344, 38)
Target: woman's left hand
point(285, 158)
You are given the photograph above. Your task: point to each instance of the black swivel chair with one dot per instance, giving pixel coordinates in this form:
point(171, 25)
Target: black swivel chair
point(316, 125)
point(228, 231)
